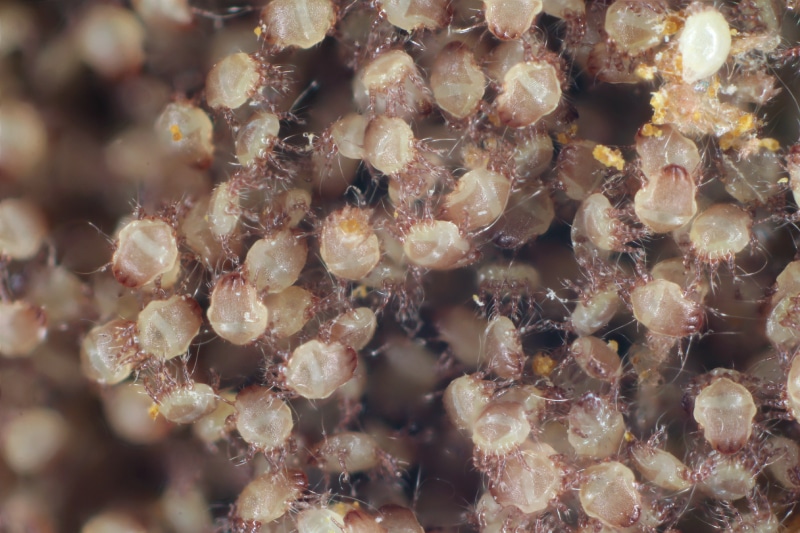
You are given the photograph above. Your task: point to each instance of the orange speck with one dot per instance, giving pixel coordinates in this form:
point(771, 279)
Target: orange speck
point(153, 411)
point(177, 135)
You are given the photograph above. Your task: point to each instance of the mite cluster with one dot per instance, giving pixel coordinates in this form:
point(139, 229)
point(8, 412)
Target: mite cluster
point(385, 266)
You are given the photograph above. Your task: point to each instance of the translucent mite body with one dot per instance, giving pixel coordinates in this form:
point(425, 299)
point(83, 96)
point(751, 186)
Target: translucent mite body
point(530, 91)
point(457, 81)
point(725, 411)
point(23, 229)
point(187, 404)
point(348, 243)
point(510, 20)
point(411, 15)
point(262, 418)
point(436, 244)
point(232, 81)
point(596, 427)
point(297, 23)
point(166, 328)
point(146, 250)
point(274, 262)
point(660, 306)
point(529, 480)
point(22, 326)
point(236, 313)
point(609, 494)
point(315, 370)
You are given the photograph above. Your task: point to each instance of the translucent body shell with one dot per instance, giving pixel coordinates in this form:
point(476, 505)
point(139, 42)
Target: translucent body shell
point(725, 410)
point(185, 405)
point(528, 480)
point(275, 262)
point(389, 144)
point(411, 15)
point(793, 388)
point(480, 197)
point(236, 312)
point(704, 44)
point(186, 130)
point(596, 427)
point(105, 352)
point(232, 81)
point(262, 419)
point(22, 328)
point(349, 452)
point(437, 245)
point(166, 328)
point(661, 307)
point(256, 139)
point(146, 249)
point(270, 495)
point(457, 81)
point(23, 228)
point(635, 26)
point(667, 201)
point(348, 244)
point(609, 495)
point(531, 90)
point(315, 370)
point(596, 358)
point(510, 19)
point(299, 23)
point(720, 232)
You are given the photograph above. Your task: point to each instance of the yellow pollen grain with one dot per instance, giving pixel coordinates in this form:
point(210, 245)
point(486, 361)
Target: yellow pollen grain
point(175, 130)
point(474, 157)
point(649, 130)
point(713, 88)
point(543, 365)
point(745, 123)
point(610, 157)
point(351, 226)
point(614, 345)
point(672, 25)
point(359, 292)
point(342, 508)
point(646, 72)
point(659, 102)
point(153, 411)
point(726, 141)
point(562, 138)
point(257, 31)
point(770, 144)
